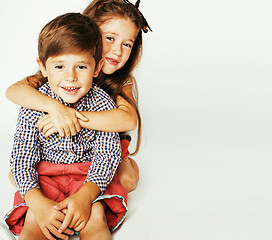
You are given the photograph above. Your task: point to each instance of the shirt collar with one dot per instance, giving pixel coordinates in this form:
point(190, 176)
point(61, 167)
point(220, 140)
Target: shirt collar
point(50, 93)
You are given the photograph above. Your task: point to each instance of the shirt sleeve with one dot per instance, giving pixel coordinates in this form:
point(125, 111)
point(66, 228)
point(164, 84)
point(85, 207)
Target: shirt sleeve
point(107, 148)
point(107, 156)
point(25, 153)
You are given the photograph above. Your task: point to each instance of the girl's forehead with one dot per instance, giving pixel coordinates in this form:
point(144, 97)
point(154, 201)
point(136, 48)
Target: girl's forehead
point(117, 20)
point(119, 26)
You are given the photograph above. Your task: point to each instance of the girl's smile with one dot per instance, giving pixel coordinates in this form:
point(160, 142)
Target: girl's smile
point(112, 61)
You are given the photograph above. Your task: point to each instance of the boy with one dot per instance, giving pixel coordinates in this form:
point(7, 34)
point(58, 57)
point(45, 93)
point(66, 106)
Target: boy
point(71, 171)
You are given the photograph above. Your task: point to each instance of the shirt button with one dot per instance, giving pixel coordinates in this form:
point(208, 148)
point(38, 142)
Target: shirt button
point(87, 137)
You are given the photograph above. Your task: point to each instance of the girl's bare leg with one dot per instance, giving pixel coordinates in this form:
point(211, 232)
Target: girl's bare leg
point(31, 230)
point(128, 172)
point(97, 227)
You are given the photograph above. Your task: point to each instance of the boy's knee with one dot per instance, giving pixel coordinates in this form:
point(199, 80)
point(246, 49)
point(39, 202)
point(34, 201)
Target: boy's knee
point(97, 227)
point(98, 211)
point(31, 229)
point(30, 223)
point(30, 218)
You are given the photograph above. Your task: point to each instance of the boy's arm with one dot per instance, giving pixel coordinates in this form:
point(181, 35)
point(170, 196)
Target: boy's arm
point(48, 218)
point(106, 160)
point(24, 159)
point(104, 164)
point(25, 153)
point(106, 145)
point(78, 207)
point(106, 157)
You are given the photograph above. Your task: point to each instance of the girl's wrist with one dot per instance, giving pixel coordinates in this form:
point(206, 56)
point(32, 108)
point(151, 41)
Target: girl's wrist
point(51, 105)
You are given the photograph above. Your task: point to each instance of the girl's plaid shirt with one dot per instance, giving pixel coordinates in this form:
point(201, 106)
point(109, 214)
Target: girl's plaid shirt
point(30, 146)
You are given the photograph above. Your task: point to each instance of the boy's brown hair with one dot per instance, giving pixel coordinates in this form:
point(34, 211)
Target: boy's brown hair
point(68, 33)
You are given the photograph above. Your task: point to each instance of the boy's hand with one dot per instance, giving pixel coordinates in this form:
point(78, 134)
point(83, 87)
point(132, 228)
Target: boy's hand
point(49, 219)
point(77, 213)
point(78, 207)
point(62, 119)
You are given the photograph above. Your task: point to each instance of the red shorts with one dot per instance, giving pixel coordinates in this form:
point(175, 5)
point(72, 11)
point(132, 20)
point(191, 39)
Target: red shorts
point(58, 181)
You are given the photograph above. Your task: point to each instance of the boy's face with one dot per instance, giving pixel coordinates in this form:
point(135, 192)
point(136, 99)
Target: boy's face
point(70, 76)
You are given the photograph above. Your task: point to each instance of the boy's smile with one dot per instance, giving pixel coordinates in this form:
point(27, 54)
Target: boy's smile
point(70, 76)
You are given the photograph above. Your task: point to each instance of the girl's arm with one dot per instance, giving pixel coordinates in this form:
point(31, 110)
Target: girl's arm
point(65, 119)
point(122, 119)
point(22, 94)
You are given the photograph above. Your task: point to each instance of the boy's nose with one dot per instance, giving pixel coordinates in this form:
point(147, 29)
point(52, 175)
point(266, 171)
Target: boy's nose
point(71, 75)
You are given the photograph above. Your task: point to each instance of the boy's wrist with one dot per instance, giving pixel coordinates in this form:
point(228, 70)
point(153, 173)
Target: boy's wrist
point(89, 191)
point(33, 198)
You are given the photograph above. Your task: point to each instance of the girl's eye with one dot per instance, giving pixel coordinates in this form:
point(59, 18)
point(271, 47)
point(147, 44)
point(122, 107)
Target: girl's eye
point(128, 45)
point(109, 38)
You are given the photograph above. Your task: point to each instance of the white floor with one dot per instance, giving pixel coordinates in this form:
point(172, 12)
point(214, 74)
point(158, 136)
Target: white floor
point(205, 98)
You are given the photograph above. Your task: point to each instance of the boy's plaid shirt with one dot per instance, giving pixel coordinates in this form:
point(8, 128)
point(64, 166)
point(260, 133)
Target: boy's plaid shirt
point(30, 146)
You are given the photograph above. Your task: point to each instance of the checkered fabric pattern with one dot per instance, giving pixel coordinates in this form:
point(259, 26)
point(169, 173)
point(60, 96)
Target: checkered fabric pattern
point(30, 146)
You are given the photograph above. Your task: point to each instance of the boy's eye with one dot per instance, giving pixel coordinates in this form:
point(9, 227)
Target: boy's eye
point(59, 67)
point(82, 67)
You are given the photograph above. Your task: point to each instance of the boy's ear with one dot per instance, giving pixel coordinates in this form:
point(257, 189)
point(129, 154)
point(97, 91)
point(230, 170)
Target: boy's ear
point(42, 67)
point(98, 67)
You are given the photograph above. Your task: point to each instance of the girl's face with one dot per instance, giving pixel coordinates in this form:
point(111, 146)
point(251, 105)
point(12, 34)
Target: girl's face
point(118, 36)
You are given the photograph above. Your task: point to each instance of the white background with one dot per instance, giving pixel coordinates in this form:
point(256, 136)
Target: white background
point(205, 98)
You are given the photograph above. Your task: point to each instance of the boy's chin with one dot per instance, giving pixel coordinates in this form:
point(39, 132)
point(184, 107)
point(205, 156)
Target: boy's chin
point(71, 101)
point(72, 104)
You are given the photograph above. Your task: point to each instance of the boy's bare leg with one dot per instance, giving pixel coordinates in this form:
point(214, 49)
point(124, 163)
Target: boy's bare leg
point(97, 227)
point(128, 172)
point(31, 230)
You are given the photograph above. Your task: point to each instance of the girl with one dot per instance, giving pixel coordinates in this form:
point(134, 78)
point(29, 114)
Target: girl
point(121, 25)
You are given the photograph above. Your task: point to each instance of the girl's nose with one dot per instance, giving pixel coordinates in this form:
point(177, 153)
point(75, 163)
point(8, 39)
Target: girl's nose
point(117, 50)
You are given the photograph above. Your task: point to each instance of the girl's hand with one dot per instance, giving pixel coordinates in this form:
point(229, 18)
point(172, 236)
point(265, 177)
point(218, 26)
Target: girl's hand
point(62, 119)
point(46, 126)
point(78, 212)
point(49, 220)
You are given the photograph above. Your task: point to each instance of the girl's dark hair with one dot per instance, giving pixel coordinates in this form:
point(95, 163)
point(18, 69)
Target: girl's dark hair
point(68, 33)
point(101, 11)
